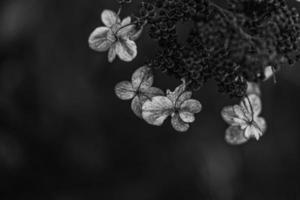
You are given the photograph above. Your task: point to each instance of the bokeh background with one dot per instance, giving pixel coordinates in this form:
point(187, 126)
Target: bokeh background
point(64, 135)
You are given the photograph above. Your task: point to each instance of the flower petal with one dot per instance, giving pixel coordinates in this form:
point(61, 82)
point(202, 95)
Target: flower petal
point(137, 104)
point(112, 53)
point(126, 21)
point(229, 115)
point(252, 104)
point(183, 97)
point(242, 113)
point(173, 96)
point(109, 18)
point(142, 78)
point(155, 111)
point(253, 131)
point(126, 32)
point(191, 105)
point(100, 39)
point(261, 123)
point(234, 135)
point(126, 50)
point(269, 72)
point(187, 116)
point(178, 124)
point(124, 90)
point(253, 88)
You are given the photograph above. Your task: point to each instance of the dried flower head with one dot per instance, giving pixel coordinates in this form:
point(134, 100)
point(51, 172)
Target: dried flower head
point(238, 46)
point(116, 36)
point(177, 104)
point(139, 89)
point(244, 120)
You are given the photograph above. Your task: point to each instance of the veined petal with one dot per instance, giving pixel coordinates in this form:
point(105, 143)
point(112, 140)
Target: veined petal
point(126, 50)
point(182, 98)
point(261, 123)
point(100, 39)
point(229, 115)
point(187, 117)
point(253, 131)
point(191, 105)
point(124, 90)
point(109, 18)
point(178, 124)
point(252, 104)
point(156, 111)
point(128, 31)
point(112, 53)
point(173, 96)
point(241, 113)
point(137, 104)
point(234, 135)
point(125, 32)
point(142, 78)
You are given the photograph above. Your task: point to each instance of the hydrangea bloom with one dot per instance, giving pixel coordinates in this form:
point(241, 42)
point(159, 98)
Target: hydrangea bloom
point(139, 89)
point(244, 120)
point(177, 104)
point(116, 36)
point(238, 45)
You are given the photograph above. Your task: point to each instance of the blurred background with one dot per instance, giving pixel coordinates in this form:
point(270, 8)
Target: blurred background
point(64, 135)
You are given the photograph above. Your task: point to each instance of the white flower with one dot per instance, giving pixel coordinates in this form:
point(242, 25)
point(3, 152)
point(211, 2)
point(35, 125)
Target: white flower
point(177, 104)
point(139, 89)
point(116, 36)
point(269, 72)
point(244, 120)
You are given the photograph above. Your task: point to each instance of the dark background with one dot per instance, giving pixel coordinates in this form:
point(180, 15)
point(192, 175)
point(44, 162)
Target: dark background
point(64, 135)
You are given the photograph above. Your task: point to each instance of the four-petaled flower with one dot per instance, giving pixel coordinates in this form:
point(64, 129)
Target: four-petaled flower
point(116, 36)
point(177, 104)
point(244, 120)
point(139, 89)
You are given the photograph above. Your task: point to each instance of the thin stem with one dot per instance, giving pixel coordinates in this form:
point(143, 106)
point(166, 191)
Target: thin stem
point(120, 10)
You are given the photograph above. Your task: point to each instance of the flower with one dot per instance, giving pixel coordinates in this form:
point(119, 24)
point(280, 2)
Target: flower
point(268, 72)
point(177, 104)
point(244, 120)
point(139, 89)
point(116, 36)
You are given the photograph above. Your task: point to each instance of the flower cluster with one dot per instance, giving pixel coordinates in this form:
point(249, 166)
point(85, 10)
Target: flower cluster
point(177, 104)
point(238, 46)
point(151, 103)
